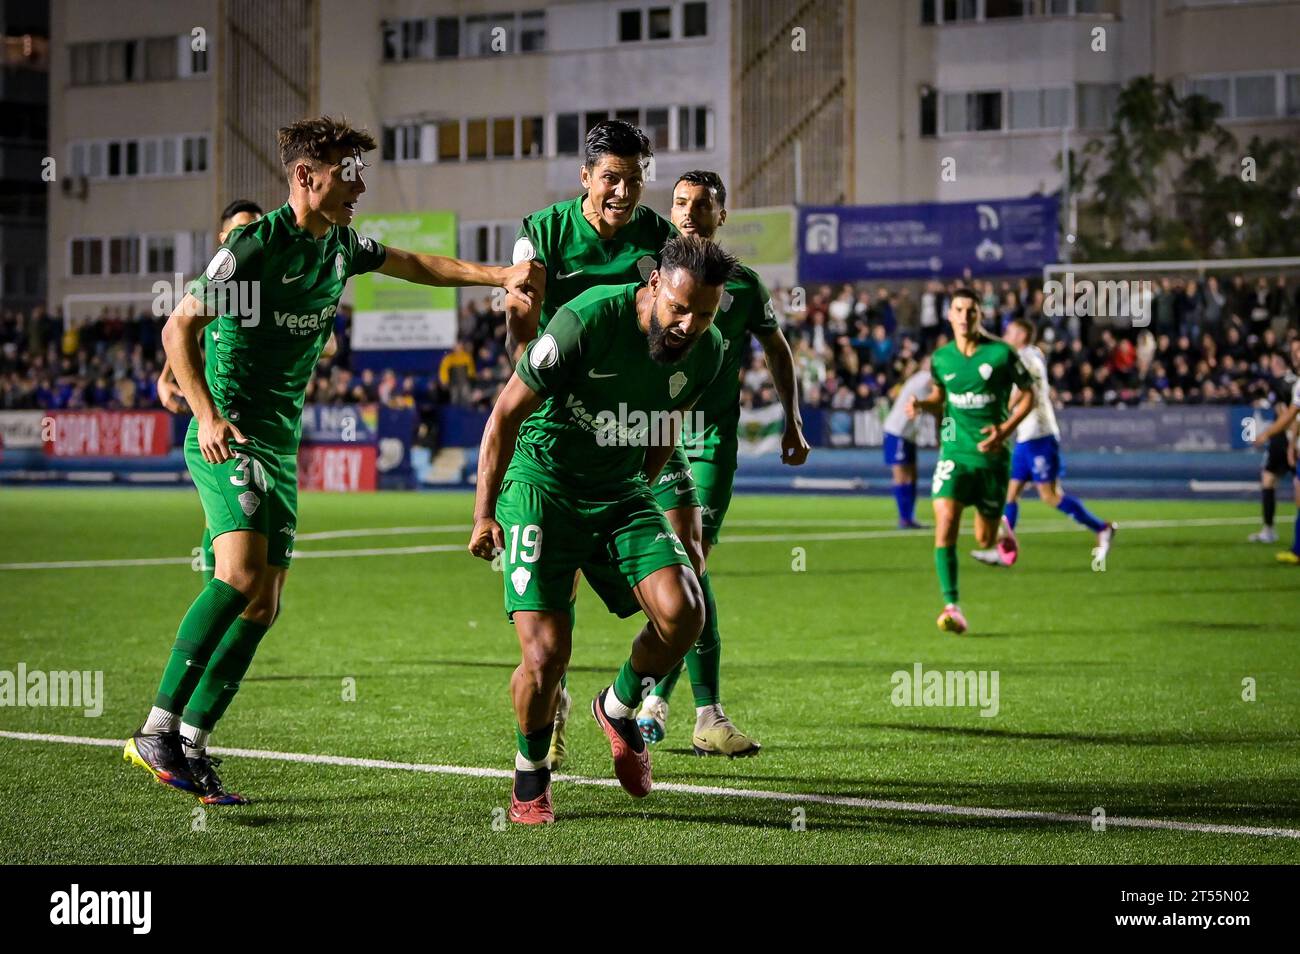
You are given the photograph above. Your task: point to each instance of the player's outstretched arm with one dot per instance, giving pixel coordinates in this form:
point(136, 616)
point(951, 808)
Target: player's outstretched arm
point(519, 281)
point(780, 362)
point(1279, 426)
point(932, 403)
point(180, 337)
point(516, 402)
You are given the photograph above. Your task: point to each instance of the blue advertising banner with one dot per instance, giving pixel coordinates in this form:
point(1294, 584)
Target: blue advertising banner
point(340, 423)
point(846, 243)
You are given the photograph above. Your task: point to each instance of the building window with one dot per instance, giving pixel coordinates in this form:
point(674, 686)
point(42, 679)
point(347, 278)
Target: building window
point(656, 128)
point(660, 23)
point(87, 256)
point(488, 35)
point(123, 255)
point(972, 112)
point(1096, 105)
point(1254, 96)
point(929, 112)
point(1038, 108)
point(401, 143)
point(449, 140)
point(629, 26)
point(1000, 9)
point(693, 128)
point(695, 19)
point(503, 138)
point(160, 58)
point(532, 137)
point(1293, 94)
point(476, 139)
point(566, 134)
point(447, 37)
point(956, 10)
point(160, 254)
point(195, 152)
point(532, 31)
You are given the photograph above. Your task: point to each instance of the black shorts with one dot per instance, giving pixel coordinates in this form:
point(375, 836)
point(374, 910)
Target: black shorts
point(1275, 461)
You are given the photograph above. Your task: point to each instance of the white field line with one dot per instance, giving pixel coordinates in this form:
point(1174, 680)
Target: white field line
point(844, 801)
point(1059, 526)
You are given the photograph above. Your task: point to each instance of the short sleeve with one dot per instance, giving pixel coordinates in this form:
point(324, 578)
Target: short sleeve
point(239, 259)
point(1295, 395)
point(551, 359)
point(367, 253)
point(763, 320)
point(527, 247)
point(1020, 374)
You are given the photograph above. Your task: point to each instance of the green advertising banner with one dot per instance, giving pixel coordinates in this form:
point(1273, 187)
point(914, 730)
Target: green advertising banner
point(391, 314)
point(760, 236)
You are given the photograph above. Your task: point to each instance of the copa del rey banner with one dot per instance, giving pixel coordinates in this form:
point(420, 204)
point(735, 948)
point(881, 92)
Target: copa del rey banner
point(338, 467)
point(106, 434)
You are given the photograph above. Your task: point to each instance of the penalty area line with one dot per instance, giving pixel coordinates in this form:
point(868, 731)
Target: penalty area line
point(841, 801)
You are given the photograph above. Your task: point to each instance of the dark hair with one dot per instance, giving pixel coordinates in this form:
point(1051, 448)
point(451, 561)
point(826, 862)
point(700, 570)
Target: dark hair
point(964, 292)
point(614, 137)
point(1027, 326)
point(314, 139)
point(710, 180)
point(706, 260)
point(239, 205)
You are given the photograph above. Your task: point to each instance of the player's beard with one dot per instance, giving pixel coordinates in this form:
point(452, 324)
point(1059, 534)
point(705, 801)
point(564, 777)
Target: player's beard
point(660, 350)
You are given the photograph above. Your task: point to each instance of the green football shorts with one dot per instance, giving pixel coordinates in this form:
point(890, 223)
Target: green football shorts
point(713, 483)
point(255, 490)
point(982, 486)
point(548, 538)
point(675, 485)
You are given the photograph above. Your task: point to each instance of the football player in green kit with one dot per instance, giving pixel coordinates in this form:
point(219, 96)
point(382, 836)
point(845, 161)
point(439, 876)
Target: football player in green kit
point(273, 288)
point(973, 376)
point(602, 237)
point(593, 411)
point(709, 464)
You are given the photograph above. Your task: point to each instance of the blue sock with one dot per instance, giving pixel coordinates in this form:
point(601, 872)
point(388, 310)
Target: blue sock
point(911, 501)
point(1012, 512)
point(900, 498)
point(1074, 507)
point(1295, 541)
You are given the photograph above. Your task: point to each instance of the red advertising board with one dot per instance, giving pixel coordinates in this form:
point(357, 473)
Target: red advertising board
point(108, 434)
point(338, 467)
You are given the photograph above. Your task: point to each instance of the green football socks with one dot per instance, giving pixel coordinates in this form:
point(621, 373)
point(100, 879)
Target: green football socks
point(209, 616)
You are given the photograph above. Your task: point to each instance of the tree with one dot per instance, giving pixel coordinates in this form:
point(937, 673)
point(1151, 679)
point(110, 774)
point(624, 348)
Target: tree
point(1168, 181)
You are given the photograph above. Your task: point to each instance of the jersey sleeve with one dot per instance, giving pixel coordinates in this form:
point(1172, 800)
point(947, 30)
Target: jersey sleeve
point(238, 260)
point(553, 358)
point(367, 253)
point(1020, 375)
point(528, 245)
point(763, 319)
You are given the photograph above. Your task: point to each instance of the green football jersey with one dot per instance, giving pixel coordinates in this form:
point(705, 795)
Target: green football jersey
point(605, 397)
point(745, 309)
point(978, 391)
point(276, 289)
point(577, 258)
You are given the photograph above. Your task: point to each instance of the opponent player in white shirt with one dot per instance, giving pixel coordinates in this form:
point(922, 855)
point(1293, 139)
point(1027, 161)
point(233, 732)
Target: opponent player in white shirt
point(1037, 457)
point(900, 445)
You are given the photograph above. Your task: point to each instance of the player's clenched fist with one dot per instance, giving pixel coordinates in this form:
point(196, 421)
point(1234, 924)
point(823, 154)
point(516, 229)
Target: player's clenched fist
point(523, 280)
point(487, 538)
point(215, 435)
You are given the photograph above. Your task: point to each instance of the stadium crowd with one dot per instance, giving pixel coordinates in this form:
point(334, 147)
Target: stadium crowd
point(1217, 342)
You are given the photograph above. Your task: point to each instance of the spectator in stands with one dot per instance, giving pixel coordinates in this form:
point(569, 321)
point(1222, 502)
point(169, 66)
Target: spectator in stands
point(456, 371)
